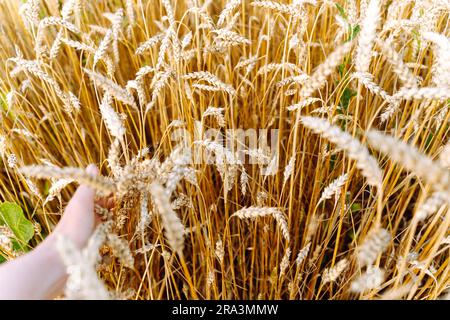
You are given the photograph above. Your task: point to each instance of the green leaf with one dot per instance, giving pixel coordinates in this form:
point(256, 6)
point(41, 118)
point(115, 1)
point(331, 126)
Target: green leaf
point(354, 32)
point(355, 207)
point(341, 11)
point(3, 105)
point(347, 95)
point(12, 216)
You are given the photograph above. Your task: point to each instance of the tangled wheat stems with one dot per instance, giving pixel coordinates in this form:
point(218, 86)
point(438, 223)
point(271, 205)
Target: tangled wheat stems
point(337, 216)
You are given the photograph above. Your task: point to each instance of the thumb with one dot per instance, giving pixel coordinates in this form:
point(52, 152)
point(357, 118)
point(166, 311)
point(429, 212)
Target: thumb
point(78, 221)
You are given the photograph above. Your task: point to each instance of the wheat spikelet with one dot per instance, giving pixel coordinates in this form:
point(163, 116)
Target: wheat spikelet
point(430, 205)
point(25, 85)
point(334, 188)
point(111, 87)
point(332, 274)
point(400, 68)
point(440, 116)
point(278, 66)
point(145, 218)
point(324, 110)
point(278, 7)
point(355, 150)
point(10, 99)
point(256, 212)
point(51, 21)
point(56, 188)
point(55, 21)
point(289, 169)
point(170, 13)
point(111, 118)
point(318, 78)
point(150, 43)
point(33, 188)
point(227, 38)
point(98, 29)
point(187, 39)
point(367, 36)
point(371, 279)
point(229, 8)
point(233, 21)
point(6, 244)
point(216, 83)
point(115, 29)
point(11, 160)
point(208, 22)
point(220, 251)
point(366, 80)
point(300, 79)
point(302, 254)
point(174, 228)
point(162, 79)
point(29, 12)
point(83, 282)
point(434, 93)
point(113, 159)
point(444, 157)
point(376, 243)
point(120, 249)
point(74, 101)
point(290, 92)
point(56, 46)
point(143, 71)
point(217, 113)
point(78, 45)
point(244, 181)
point(182, 201)
point(146, 248)
point(284, 264)
point(248, 63)
point(130, 12)
point(35, 69)
point(390, 110)
point(303, 104)
point(137, 85)
point(441, 67)
point(103, 46)
point(163, 48)
point(409, 157)
point(101, 184)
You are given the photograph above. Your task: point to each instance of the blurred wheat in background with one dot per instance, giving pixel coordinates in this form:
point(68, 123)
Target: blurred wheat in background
point(354, 205)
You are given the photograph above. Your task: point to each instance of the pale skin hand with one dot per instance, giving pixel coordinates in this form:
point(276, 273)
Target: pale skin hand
point(41, 274)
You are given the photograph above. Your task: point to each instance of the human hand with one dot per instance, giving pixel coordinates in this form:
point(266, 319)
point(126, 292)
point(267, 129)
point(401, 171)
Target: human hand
point(41, 274)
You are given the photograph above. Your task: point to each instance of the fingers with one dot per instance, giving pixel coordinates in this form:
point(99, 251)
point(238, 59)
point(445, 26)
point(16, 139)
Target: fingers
point(92, 170)
point(106, 202)
point(82, 203)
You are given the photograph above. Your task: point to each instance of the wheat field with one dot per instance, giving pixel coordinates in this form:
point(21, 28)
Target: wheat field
point(348, 200)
